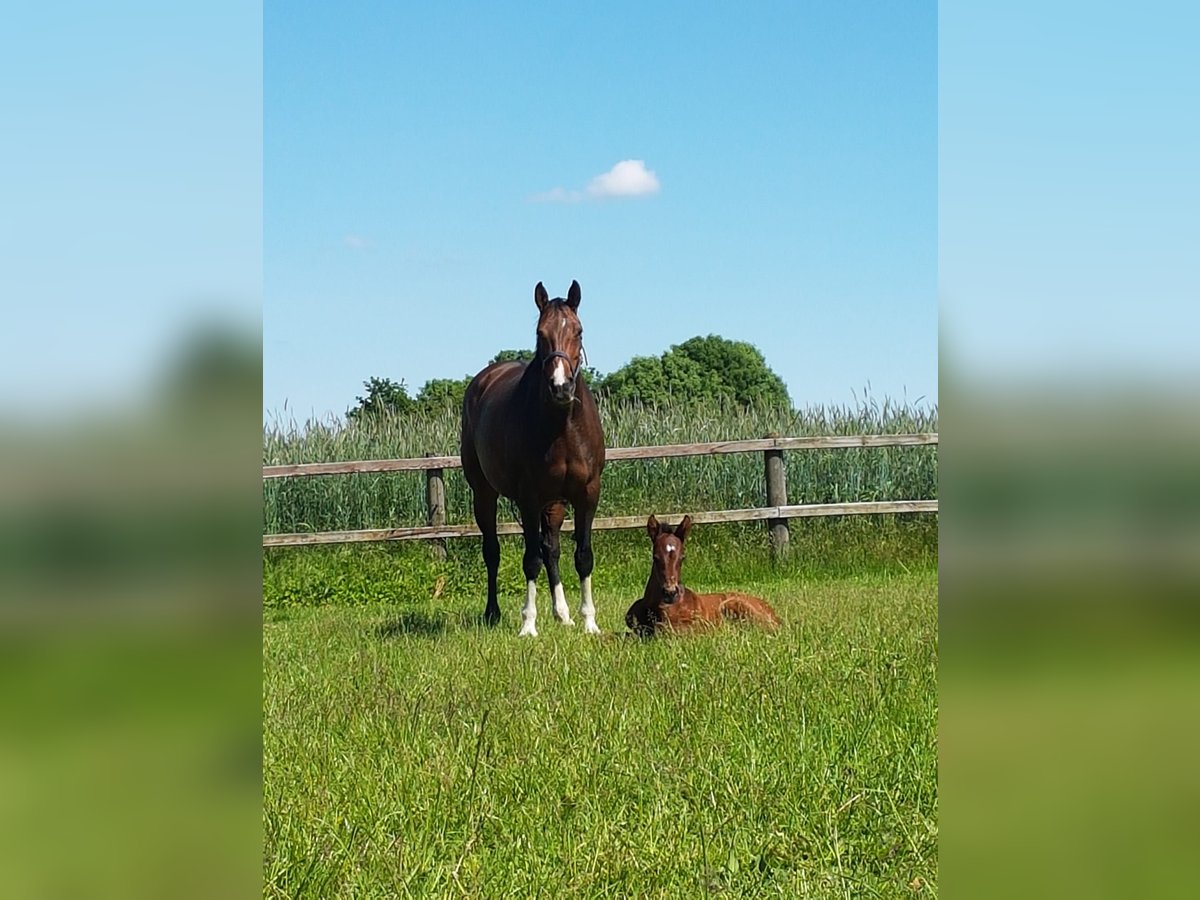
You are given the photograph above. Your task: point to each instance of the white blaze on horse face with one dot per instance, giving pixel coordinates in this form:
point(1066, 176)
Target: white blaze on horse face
point(587, 608)
point(559, 376)
point(562, 612)
point(529, 611)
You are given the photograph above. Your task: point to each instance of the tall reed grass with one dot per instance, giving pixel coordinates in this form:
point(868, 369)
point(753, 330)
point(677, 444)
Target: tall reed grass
point(632, 487)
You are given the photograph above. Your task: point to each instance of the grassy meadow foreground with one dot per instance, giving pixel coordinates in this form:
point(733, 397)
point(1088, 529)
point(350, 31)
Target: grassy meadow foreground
point(408, 751)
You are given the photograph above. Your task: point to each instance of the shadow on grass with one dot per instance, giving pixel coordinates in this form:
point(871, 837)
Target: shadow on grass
point(424, 623)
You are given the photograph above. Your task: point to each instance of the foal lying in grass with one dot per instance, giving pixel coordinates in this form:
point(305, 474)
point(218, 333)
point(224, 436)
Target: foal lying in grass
point(667, 605)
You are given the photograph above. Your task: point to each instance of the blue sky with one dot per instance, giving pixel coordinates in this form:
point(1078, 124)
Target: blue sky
point(130, 192)
point(1069, 189)
point(795, 150)
point(426, 164)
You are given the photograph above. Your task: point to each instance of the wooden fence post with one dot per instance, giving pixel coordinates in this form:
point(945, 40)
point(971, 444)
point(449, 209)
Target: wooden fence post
point(776, 496)
point(435, 504)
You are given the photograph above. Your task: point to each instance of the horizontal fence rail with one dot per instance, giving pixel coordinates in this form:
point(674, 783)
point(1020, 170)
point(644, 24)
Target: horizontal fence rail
point(825, 442)
point(426, 532)
point(776, 513)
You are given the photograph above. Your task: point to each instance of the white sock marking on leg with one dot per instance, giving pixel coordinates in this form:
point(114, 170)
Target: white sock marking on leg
point(529, 611)
point(562, 612)
point(587, 608)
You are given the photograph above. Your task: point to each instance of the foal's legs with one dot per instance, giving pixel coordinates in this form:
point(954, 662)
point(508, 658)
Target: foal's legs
point(552, 519)
point(585, 512)
point(485, 518)
point(532, 563)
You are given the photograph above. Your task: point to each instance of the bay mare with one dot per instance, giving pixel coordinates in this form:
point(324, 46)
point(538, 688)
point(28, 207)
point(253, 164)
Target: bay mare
point(531, 432)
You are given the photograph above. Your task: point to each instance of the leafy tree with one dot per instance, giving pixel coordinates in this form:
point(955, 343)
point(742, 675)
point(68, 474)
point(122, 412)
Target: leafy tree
point(512, 355)
point(383, 396)
point(642, 378)
point(736, 369)
point(443, 393)
point(592, 377)
point(701, 368)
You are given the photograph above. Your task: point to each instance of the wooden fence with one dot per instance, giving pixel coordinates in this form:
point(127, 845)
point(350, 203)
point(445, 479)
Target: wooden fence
point(776, 512)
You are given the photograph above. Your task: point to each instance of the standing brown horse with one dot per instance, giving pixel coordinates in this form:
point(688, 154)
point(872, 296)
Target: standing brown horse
point(667, 605)
point(531, 432)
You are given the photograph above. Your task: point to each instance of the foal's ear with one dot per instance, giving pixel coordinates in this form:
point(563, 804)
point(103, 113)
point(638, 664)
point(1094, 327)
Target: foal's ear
point(652, 527)
point(574, 295)
point(682, 529)
point(540, 297)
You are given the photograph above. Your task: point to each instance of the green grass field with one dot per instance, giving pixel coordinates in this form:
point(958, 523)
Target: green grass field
point(409, 752)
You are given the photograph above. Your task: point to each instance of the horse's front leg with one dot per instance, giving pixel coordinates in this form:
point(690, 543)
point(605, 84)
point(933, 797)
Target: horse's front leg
point(532, 563)
point(585, 512)
point(552, 519)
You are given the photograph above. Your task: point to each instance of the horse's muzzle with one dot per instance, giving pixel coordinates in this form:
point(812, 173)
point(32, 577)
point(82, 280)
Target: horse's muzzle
point(561, 375)
point(562, 394)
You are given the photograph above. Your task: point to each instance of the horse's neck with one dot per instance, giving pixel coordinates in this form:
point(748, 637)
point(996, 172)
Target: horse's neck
point(553, 420)
point(653, 591)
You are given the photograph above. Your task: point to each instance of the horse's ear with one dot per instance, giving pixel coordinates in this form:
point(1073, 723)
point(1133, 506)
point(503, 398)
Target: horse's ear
point(540, 297)
point(574, 295)
point(682, 529)
point(652, 527)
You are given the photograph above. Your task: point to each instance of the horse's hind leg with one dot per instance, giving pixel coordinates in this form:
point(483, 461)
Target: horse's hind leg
point(485, 518)
point(750, 609)
point(552, 519)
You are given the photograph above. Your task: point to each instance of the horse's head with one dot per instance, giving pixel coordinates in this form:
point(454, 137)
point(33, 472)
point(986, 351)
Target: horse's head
point(668, 554)
point(559, 343)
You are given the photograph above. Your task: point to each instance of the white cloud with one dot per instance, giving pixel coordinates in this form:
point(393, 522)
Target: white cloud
point(628, 178)
point(357, 242)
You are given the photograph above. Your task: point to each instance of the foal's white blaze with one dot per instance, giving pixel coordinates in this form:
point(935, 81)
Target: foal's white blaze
point(562, 612)
point(529, 611)
point(559, 376)
point(587, 608)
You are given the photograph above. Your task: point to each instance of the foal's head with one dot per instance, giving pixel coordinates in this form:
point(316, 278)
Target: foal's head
point(667, 550)
point(559, 343)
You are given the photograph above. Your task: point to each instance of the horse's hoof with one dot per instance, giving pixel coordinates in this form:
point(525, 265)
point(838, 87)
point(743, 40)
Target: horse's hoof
point(527, 631)
point(491, 617)
point(569, 622)
point(590, 627)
